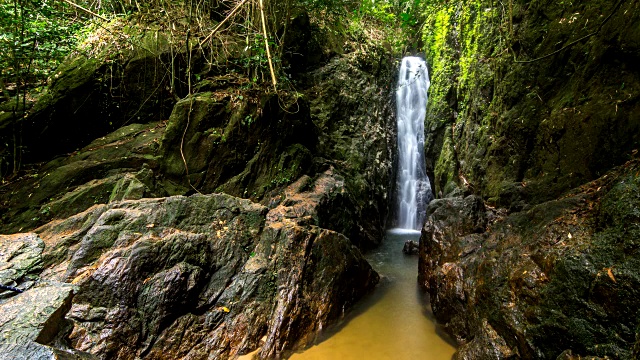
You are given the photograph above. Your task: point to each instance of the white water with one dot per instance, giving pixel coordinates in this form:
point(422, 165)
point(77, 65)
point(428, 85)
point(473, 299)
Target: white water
point(414, 189)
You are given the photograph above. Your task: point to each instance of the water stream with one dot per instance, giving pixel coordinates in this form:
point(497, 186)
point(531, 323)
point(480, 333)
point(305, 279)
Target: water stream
point(395, 321)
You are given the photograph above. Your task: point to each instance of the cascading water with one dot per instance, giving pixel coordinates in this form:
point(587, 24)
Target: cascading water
point(414, 189)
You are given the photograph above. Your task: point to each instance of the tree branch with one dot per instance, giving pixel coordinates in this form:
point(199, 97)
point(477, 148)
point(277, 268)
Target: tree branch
point(86, 10)
point(266, 44)
point(235, 9)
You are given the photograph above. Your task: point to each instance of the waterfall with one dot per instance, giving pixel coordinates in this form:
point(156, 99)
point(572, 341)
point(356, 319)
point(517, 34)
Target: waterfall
point(414, 189)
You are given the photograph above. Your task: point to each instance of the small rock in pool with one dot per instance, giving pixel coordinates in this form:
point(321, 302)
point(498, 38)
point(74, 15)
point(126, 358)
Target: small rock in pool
point(410, 247)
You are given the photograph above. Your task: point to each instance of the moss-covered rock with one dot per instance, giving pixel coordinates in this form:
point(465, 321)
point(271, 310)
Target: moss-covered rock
point(114, 167)
point(558, 280)
point(350, 100)
point(527, 127)
point(244, 145)
point(20, 259)
point(119, 78)
point(32, 323)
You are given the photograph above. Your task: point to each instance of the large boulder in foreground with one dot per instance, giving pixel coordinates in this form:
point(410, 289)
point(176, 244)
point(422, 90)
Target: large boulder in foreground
point(202, 276)
point(561, 280)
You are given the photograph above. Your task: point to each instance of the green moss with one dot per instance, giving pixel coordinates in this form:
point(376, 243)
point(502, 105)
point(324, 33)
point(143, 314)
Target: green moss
point(445, 167)
point(550, 122)
point(621, 206)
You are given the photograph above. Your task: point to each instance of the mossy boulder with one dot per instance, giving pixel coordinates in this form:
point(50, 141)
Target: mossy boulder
point(118, 80)
point(201, 276)
point(115, 167)
point(244, 146)
point(558, 279)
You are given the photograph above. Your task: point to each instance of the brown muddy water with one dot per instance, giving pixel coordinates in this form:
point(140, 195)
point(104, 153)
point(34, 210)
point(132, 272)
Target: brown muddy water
point(394, 322)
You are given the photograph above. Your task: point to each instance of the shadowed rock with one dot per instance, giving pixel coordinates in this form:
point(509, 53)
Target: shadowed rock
point(410, 247)
point(558, 281)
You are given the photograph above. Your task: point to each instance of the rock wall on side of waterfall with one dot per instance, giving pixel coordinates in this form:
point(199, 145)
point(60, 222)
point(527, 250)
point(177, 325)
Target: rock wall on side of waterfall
point(530, 249)
point(559, 280)
point(519, 132)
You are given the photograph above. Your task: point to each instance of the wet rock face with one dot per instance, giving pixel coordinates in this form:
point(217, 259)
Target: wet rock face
point(201, 276)
point(350, 104)
point(558, 281)
point(524, 132)
point(20, 258)
point(32, 323)
point(33, 319)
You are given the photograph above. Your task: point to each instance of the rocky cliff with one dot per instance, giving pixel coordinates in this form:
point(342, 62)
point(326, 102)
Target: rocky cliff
point(532, 140)
point(530, 99)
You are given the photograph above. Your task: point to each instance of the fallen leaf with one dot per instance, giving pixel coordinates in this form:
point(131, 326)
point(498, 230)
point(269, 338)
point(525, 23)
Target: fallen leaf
point(149, 226)
point(569, 235)
point(610, 272)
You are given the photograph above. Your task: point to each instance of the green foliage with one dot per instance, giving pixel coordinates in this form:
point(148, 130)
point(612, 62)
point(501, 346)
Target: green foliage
point(255, 61)
point(400, 20)
point(378, 10)
point(403, 13)
point(329, 8)
point(36, 36)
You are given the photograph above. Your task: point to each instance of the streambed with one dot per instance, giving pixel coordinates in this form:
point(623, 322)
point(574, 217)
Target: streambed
point(394, 322)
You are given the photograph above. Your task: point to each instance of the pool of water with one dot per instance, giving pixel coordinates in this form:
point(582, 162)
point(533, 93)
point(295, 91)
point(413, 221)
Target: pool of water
point(393, 322)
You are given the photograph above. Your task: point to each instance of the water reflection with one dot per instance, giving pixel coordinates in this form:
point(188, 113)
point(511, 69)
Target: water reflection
point(394, 322)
